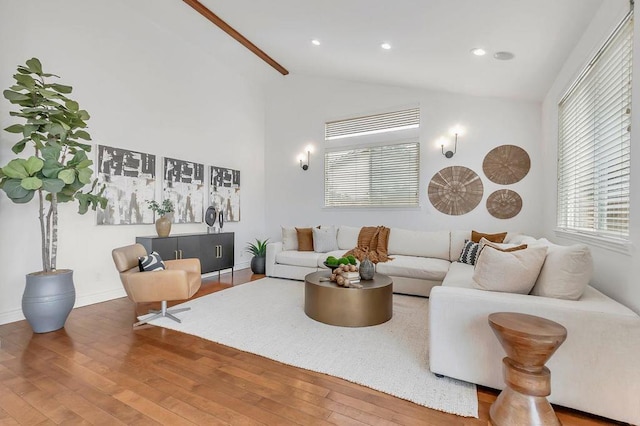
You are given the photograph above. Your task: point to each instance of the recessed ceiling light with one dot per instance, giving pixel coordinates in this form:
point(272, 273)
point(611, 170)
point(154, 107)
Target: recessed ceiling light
point(385, 46)
point(478, 51)
point(315, 42)
point(504, 56)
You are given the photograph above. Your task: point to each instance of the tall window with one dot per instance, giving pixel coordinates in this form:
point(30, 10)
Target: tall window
point(594, 143)
point(384, 174)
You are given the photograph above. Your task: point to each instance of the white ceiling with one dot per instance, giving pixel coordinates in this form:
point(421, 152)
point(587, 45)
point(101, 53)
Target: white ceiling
point(431, 40)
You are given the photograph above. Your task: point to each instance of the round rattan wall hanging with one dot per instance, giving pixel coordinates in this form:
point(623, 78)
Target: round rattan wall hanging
point(506, 164)
point(455, 190)
point(504, 204)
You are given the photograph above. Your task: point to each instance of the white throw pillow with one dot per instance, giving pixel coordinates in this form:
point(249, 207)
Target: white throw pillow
point(419, 243)
point(348, 237)
point(289, 239)
point(509, 272)
point(324, 239)
point(566, 272)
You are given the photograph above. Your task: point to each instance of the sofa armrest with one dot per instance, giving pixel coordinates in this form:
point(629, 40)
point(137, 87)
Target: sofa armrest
point(594, 370)
point(273, 249)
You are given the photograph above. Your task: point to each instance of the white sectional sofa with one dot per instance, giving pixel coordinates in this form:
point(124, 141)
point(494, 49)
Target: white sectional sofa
point(596, 370)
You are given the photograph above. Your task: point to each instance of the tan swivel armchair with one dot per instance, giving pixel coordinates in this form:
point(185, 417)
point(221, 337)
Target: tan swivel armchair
point(179, 281)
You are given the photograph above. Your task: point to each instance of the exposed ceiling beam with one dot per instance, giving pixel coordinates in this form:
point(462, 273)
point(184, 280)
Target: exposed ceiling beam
point(204, 11)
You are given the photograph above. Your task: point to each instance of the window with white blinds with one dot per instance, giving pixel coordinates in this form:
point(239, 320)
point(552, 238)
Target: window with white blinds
point(372, 124)
point(594, 143)
point(373, 176)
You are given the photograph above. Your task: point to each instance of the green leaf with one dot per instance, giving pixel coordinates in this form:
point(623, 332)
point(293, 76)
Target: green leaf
point(81, 134)
point(13, 97)
point(33, 165)
point(52, 185)
point(84, 163)
point(68, 176)
point(25, 80)
point(72, 105)
point(51, 168)
point(83, 115)
point(19, 147)
point(31, 183)
point(14, 189)
point(34, 65)
point(61, 88)
point(51, 151)
point(84, 175)
point(16, 169)
point(15, 128)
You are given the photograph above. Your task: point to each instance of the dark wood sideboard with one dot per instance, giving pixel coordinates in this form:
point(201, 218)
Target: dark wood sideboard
point(215, 251)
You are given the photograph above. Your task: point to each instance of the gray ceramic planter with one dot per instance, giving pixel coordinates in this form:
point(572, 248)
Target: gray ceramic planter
point(48, 299)
point(258, 264)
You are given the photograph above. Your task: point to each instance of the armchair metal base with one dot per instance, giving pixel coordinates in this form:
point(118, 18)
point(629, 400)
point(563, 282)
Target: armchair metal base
point(162, 312)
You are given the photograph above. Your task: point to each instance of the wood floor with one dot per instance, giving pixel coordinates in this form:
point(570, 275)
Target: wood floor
point(97, 370)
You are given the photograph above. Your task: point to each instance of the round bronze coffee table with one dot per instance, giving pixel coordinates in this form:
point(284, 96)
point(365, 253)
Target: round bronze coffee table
point(329, 303)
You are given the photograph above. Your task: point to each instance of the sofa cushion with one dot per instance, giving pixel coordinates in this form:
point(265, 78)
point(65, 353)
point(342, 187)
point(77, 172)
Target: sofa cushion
point(494, 238)
point(289, 238)
point(456, 243)
point(324, 239)
point(510, 272)
point(459, 275)
point(425, 268)
point(469, 253)
point(298, 258)
point(305, 239)
point(419, 243)
point(348, 237)
point(566, 271)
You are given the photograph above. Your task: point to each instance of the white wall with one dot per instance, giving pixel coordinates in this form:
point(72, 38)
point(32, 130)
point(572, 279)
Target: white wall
point(615, 274)
point(147, 89)
point(298, 107)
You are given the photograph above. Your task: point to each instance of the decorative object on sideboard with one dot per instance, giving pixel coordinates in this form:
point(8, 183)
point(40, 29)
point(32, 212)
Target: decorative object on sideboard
point(210, 217)
point(183, 184)
point(56, 172)
point(504, 204)
point(455, 190)
point(259, 252)
point(455, 131)
point(304, 165)
point(221, 220)
point(129, 178)
point(163, 223)
point(506, 164)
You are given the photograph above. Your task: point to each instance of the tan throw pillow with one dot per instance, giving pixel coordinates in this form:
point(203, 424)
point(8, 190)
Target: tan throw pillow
point(566, 272)
point(305, 239)
point(494, 238)
point(509, 272)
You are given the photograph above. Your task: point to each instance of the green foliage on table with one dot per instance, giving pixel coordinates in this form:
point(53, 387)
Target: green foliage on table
point(58, 169)
point(161, 209)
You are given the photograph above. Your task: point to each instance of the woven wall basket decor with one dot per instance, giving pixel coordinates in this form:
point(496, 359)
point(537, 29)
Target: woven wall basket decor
point(455, 190)
point(504, 204)
point(506, 164)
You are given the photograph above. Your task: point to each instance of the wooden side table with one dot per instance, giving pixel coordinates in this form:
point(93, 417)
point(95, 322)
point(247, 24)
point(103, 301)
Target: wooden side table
point(529, 342)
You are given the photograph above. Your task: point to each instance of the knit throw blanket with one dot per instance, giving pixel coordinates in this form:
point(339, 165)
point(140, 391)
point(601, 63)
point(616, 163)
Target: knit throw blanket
point(372, 241)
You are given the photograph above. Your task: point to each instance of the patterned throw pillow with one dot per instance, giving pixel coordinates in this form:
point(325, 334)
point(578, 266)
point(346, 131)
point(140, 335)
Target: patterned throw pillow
point(153, 262)
point(470, 252)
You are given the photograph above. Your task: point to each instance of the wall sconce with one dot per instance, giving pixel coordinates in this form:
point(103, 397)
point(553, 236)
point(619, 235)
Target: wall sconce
point(305, 165)
point(455, 131)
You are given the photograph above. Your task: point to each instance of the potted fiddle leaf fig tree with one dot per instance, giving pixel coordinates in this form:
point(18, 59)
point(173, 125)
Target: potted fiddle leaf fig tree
point(53, 170)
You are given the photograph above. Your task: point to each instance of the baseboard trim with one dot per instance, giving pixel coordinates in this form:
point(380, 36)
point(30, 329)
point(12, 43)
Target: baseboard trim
point(11, 316)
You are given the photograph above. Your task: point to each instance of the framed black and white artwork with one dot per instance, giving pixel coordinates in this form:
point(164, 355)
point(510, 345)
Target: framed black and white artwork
point(130, 179)
point(184, 185)
point(224, 192)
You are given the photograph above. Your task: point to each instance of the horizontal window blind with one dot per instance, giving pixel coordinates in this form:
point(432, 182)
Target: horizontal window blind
point(378, 123)
point(373, 176)
point(594, 143)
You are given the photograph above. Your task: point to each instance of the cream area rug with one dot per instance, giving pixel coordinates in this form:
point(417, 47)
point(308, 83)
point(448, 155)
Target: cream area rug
point(266, 317)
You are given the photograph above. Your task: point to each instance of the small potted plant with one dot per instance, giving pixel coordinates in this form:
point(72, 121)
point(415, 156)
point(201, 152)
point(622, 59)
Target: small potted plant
point(259, 252)
point(163, 223)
